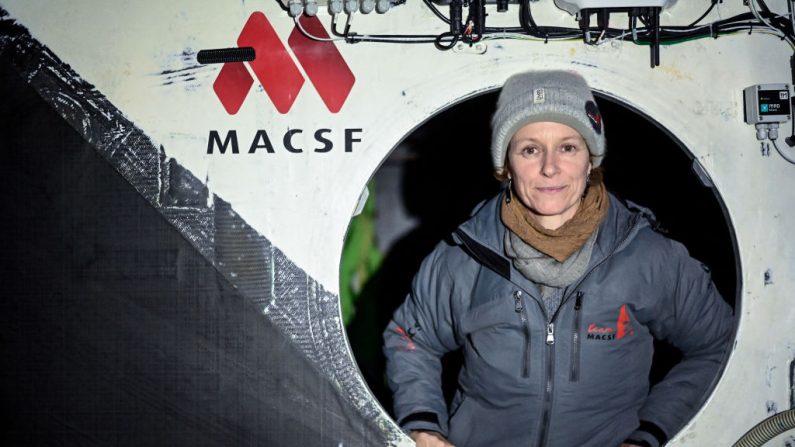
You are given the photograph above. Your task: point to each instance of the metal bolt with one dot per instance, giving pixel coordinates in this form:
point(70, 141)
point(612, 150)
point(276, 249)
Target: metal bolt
point(351, 6)
point(382, 6)
point(310, 8)
point(334, 7)
point(367, 6)
point(295, 8)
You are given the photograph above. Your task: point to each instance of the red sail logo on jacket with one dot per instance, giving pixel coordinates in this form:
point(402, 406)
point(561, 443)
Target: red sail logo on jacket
point(622, 329)
point(406, 338)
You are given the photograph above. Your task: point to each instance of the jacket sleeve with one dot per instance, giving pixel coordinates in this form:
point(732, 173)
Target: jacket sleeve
point(420, 333)
point(695, 319)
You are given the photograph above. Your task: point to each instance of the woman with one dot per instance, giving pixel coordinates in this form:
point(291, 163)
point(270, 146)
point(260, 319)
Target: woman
point(554, 290)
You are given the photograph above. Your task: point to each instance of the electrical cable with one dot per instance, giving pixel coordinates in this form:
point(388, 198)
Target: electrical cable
point(668, 35)
point(769, 131)
point(526, 19)
point(790, 140)
point(711, 7)
point(438, 41)
point(783, 154)
point(619, 37)
point(784, 25)
point(376, 39)
point(781, 33)
point(791, 9)
point(752, 5)
point(522, 36)
point(529, 26)
point(676, 34)
point(334, 27)
point(737, 23)
point(283, 6)
point(313, 37)
point(382, 38)
point(436, 11)
point(532, 31)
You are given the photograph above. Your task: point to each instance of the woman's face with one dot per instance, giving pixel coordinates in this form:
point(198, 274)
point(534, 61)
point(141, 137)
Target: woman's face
point(549, 164)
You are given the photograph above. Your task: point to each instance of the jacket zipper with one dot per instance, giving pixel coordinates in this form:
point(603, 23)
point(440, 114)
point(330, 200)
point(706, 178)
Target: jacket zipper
point(574, 376)
point(550, 342)
point(551, 352)
point(519, 308)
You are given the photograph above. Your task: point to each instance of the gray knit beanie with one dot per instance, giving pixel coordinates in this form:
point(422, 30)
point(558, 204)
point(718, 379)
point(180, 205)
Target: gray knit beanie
point(558, 96)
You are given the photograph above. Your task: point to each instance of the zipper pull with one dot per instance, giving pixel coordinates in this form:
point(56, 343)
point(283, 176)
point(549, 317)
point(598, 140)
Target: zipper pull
point(517, 301)
point(578, 302)
point(551, 333)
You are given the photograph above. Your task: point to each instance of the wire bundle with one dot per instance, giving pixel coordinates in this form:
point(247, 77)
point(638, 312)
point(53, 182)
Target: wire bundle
point(759, 19)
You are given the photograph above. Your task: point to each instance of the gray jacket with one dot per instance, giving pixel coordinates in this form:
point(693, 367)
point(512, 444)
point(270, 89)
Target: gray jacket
point(575, 378)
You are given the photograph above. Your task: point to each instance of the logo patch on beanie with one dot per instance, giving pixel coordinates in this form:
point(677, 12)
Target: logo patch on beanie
point(594, 116)
point(539, 96)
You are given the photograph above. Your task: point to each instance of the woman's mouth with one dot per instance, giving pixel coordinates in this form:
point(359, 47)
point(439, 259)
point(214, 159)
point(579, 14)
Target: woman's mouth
point(551, 189)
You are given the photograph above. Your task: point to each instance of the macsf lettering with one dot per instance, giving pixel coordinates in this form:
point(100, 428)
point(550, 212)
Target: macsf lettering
point(261, 142)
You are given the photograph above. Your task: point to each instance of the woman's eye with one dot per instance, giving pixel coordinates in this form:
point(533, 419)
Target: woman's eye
point(530, 150)
point(569, 148)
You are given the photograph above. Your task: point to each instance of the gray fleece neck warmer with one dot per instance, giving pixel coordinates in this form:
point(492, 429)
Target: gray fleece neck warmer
point(546, 272)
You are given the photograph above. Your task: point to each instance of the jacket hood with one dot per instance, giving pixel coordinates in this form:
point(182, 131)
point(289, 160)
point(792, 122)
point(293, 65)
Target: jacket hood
point(620, 226)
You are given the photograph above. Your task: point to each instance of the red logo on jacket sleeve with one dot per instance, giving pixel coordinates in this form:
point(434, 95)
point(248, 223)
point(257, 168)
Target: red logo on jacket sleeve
point(410, 346)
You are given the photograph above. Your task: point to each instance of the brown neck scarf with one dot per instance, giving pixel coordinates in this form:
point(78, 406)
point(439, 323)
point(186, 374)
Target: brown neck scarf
point(566, 240)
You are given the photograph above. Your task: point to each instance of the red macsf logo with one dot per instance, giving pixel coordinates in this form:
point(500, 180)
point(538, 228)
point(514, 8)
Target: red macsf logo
point(622, 329)
point(277, 71)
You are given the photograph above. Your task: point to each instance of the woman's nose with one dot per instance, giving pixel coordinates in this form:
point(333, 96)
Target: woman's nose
point(549, 165)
